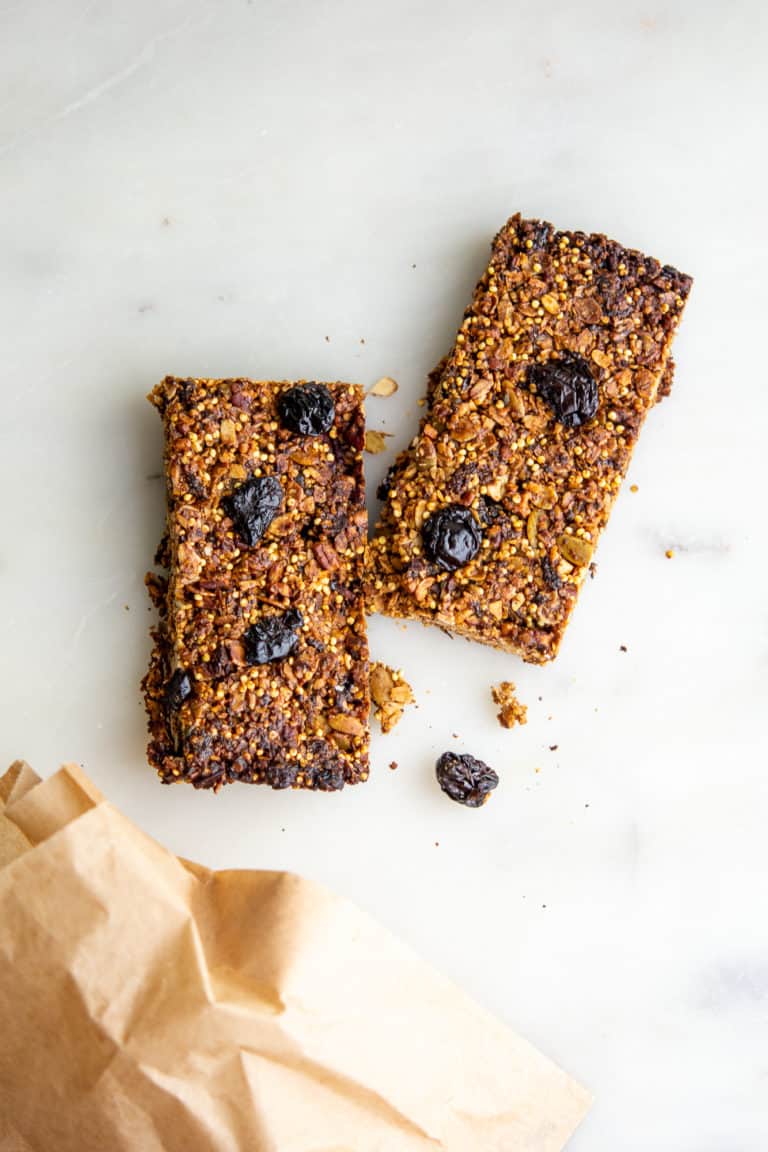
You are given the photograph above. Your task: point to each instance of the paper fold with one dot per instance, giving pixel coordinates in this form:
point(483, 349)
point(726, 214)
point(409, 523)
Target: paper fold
point(165, 1006)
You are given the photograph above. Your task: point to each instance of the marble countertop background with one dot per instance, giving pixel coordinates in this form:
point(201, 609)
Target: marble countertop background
point(227, 187)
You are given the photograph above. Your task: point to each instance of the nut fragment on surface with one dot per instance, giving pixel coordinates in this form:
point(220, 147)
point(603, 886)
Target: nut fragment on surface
point(511, 711)
point(386, 386)
point(529, 427)
point(390, 693)
point(375, 442)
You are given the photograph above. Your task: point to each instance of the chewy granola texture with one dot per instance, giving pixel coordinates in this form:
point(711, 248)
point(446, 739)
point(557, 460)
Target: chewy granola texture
point(492, 514)
point(260, 666)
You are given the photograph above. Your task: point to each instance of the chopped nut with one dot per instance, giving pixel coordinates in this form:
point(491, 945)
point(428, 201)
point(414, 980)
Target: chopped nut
point(382, 682)
point(389, 694)
point(350, 725)
point(386, 386)
point(227, 432)
point(531, 528)
point(542, 495)
point(574, 549)
point(551, 303)
point(496, 489)
point(588, 310)
point(511, 710)
point(326, 555)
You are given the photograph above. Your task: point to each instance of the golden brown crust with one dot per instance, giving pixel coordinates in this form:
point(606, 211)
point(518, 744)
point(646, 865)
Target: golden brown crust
point(301, 721)
point(541, 492)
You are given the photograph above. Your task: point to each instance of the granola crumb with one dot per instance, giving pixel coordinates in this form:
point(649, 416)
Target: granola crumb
point(554, 747)
point(669, 553)
point(633, 488)
point(390, 692)
point(511, 711)
point(393, 765)
point(622, 648)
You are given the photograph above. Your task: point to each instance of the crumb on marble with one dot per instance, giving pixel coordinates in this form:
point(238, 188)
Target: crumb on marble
point(511, 711)
point(390, 693)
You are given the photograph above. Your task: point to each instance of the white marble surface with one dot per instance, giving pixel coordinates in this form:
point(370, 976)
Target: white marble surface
point(220, 187)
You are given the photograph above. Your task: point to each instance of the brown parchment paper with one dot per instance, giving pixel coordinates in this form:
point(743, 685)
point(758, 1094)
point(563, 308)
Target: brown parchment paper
point(148, 1003)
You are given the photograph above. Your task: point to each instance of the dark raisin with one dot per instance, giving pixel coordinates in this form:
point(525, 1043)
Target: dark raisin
point(330, 778)
point(490, 511)
point(185, 390)
point(451, 537)
point(616, 301)
point(568, 386)
point(552, 577)
point(539, 236)
point(193, 482)
point(466, 476)
point(178, 689)
point(281, 775)
point(465, 779)
point(272, 638)
point(253, 506)
point(307, 409)
point(213, 779)
point(383, 489)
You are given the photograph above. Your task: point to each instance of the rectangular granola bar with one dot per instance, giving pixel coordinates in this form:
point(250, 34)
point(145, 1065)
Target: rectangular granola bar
point(493, 512)
point(260, 666)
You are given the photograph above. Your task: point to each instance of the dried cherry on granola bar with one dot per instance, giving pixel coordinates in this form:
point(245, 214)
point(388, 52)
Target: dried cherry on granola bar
point(465, 779)
point(253, 506)
point(307, 409)
point(272, 638)
point(452, 536)
point(568, 386)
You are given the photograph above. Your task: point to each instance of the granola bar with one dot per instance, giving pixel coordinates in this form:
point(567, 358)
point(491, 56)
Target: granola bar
point(260, 670)
point(493, 512)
